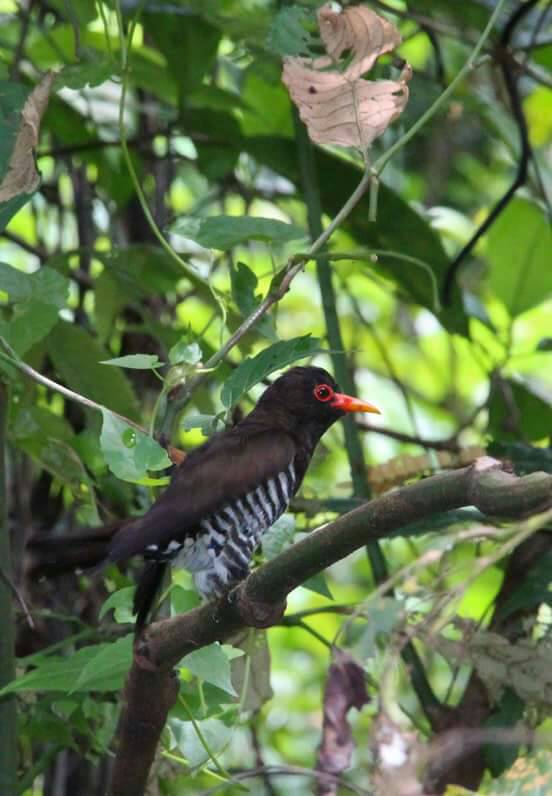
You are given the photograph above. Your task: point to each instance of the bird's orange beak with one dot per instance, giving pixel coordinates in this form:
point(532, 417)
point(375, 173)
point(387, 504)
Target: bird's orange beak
point(349, 404)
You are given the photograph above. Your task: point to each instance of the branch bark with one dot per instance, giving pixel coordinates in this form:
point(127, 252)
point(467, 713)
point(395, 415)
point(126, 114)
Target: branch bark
point(259, 601)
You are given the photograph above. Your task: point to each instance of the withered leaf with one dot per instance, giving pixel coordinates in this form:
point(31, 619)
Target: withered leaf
point(21, 175)
point(345, 688)
point(334, 101)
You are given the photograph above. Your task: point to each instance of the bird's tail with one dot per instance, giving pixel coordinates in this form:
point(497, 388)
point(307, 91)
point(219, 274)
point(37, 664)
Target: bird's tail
point(51, 555)
point(147, 589)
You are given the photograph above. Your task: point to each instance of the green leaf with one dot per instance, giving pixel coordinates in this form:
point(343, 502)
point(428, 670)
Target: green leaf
point(207, 423)
point(253, 370)
point(135, 361)
point(278, 536)
point(212, 665)
point(534, 589)
point(319, 585)
point(108, 666)
point(185, 352)
point(77, 76)
point(76, 356)
point(518, 251)
point(215, 732)
point(36, 300)
point(65, 673)
point(287, 34)
point(517, 407)
point(224, 232)
point(244, 284)
point(120, 602)
point(384, 615)
point(130, 453)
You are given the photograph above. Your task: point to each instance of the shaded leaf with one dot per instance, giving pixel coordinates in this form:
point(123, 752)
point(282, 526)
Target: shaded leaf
point(109, 665)
point(517, 407)
point(288, 35)
point(319, 585)
point(215, 732)
point(35, 301)
point(385, 613)
point(244, 284)
point(69, 346)
point(278, 536)
point(252, 669)
point(91, 73)
point(120, 602)
point(253, 370)
point(185, 352)
point(64, 673)
point(212, 665)
point(224, 232)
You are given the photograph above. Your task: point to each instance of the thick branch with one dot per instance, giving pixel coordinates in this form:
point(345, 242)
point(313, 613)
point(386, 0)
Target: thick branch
point(260, 600)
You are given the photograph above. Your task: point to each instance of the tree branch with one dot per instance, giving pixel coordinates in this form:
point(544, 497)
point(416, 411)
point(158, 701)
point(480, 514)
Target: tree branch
point(259, 601)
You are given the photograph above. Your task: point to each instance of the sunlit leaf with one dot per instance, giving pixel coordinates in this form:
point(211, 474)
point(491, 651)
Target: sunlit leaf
point(135, 361)
point(130, 453)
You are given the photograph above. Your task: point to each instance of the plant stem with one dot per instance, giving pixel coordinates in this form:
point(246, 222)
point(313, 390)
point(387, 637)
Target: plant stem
point(8, 714)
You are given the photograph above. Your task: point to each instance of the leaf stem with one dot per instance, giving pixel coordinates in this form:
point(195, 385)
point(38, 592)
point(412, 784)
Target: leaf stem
point(203, 741)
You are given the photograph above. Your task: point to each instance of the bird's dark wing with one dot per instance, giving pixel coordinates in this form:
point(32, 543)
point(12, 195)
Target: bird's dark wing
point(219, 472)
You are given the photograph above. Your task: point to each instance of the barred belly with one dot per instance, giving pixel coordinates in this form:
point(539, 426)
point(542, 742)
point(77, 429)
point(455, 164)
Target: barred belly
point(220, 554)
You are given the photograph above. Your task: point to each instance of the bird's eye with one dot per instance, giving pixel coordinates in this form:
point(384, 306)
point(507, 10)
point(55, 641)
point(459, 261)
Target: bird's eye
point(323, 392)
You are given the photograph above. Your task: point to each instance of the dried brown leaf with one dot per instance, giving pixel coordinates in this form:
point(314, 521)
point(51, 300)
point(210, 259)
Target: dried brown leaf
point(337, 105)
point(22, 175)
point(345, 688)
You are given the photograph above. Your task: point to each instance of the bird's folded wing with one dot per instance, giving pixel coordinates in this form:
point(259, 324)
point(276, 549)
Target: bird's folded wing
point(221, 471)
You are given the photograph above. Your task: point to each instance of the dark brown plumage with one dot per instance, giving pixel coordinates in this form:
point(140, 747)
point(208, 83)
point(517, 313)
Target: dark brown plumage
point(225, 494)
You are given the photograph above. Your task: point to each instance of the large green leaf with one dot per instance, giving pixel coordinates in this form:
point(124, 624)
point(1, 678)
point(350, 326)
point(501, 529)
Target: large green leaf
point(77, 357)
point(254, 369)
point(519, 252)
point(99, 667)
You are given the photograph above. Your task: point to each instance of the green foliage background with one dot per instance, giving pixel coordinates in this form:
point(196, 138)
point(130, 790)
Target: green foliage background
point(214, 151)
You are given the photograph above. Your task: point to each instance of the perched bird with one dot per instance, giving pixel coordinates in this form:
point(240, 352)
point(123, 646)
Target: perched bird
point(224, 495)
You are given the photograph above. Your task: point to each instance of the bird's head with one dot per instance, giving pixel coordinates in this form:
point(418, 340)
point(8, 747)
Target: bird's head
point(309, 398)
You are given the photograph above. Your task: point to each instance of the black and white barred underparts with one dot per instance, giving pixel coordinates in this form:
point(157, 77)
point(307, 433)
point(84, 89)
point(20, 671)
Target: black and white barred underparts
point(219, 554)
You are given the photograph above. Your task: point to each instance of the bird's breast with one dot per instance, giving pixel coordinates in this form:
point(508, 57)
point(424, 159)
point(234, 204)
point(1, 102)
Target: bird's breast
point(220, 552)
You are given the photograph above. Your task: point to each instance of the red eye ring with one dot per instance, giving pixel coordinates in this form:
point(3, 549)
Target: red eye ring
point(323, 393)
